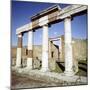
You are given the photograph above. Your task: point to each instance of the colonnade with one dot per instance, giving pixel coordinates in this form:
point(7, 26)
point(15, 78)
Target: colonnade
point(68, 48)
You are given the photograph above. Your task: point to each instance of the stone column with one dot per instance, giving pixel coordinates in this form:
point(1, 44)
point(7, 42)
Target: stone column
point(60, 51)
point(19, 48)
point(45, 49)
point(68, 48)
point(30, 47)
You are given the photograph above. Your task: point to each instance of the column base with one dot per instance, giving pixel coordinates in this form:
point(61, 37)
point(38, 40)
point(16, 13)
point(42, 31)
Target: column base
point(44, 69)
point(69, 73)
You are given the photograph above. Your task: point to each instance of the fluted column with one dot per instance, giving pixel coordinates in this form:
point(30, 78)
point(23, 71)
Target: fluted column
point(68, 48)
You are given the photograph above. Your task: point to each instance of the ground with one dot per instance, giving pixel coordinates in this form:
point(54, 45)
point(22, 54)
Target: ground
point(25, 81)
point(19, 81)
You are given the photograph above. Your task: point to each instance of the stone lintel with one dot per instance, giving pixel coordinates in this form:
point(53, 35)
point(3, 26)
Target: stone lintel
point(65, 12)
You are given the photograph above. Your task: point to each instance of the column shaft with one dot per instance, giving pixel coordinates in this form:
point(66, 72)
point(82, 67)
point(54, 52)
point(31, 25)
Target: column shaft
point(30, 47)
point(19, 48)
point(45, 49)
point(68, 48)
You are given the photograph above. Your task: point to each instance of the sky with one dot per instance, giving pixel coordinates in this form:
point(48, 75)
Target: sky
point(22, 11)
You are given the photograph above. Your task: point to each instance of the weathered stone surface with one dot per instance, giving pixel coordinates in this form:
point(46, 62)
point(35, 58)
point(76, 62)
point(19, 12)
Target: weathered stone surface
point(36, 63)
point(79, 51)
point(52, 64)
point(52, 77)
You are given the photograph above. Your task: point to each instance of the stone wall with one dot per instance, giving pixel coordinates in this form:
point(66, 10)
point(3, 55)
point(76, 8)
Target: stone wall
point(53, 55)
point(79, 51)
point(79, 47)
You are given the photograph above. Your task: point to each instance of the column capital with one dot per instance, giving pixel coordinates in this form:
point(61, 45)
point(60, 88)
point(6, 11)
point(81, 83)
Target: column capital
point(69, 17)
point(20, 35)
point(45, 25)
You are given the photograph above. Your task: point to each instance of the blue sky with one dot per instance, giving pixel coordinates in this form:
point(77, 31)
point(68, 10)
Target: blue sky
point(22, 11)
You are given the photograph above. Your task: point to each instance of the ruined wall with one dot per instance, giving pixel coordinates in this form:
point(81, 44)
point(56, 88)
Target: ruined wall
point(37, 52)
point(79, 51)
point(79, 47)
point(13, 55)
point(37, 55)
point(14, 51)
point(53, 55)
